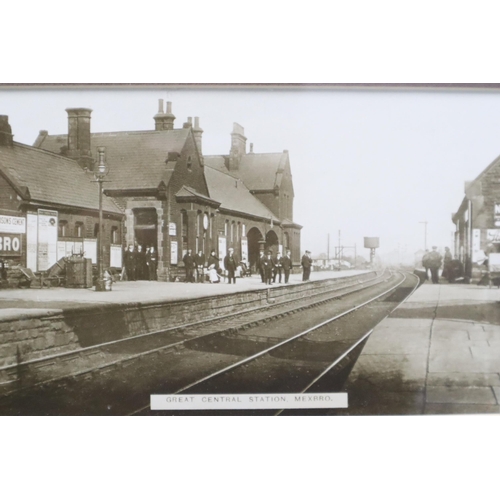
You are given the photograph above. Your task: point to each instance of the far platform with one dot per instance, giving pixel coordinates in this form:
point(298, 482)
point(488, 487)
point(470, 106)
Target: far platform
point(16, 302)
point(437, 353)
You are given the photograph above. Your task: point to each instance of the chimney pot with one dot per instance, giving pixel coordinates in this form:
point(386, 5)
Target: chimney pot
point(169, 107)
point(251, 147)
point(160, 106)
point(6, 137)
point(196, 122)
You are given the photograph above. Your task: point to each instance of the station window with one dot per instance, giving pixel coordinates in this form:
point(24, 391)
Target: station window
point(243, 230)
point(114, 235)
point(96, 229)
point(79, 230)
point(63, 228)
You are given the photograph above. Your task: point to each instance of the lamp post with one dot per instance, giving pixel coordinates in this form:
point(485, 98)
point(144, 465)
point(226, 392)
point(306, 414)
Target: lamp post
point(99, 173)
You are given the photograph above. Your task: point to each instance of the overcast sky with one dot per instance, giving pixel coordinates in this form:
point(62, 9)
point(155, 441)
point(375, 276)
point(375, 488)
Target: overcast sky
point(368, 163)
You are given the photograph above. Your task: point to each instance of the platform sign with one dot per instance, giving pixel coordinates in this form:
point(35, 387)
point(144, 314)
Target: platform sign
point(11, 244)
point(12, 225)
point(47, 239)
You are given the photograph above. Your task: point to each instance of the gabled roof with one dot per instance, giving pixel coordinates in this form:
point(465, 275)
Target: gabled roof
point(136, 160)
point(219, 162)
point(259, 171)
point(187, 193)
point(41, 176)
point(234, 195)
point(262, 170)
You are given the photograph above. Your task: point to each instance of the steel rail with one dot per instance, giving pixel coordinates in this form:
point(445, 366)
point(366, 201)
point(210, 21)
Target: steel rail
point(365, 336)
point(276, 346)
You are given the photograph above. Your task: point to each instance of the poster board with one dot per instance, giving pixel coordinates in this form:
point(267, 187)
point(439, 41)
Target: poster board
point(115, 256)
point(47, 239)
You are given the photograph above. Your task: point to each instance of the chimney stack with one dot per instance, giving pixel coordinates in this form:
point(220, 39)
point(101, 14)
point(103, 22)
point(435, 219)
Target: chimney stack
point(79, 136)
point(6, 137)
point(238, 147)
point(164, 121)
point(251, 147)
point(197, 132)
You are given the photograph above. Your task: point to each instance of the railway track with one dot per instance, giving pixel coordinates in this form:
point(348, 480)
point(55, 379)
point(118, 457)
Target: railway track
point(229, 378)
point(86, 361)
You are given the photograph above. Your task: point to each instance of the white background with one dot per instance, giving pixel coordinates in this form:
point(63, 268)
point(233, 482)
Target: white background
point(359, 41)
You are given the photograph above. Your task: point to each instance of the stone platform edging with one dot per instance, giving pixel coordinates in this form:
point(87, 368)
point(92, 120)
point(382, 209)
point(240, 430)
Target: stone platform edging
point(34, 336)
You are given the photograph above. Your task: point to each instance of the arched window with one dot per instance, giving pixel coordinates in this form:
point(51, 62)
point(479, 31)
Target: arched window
point(114, 235)
point(63, 228)
point(79, 230)
point(184, 231)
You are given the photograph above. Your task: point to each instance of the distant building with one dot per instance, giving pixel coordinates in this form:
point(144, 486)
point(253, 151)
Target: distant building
point(477, 220)
point(172, 197)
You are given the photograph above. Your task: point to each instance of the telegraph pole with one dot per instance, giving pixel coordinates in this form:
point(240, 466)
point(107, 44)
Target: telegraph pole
point(425, 234)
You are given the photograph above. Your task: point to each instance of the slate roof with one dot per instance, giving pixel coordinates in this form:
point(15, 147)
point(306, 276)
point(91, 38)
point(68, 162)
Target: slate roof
point(234, 195)
point(262, 170)
point(189, 192)
point(51, 178)
point(136, 160)
point(257, 170)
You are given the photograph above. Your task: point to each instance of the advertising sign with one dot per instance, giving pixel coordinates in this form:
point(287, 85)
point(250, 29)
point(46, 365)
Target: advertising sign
point(32, 241)
point(172, 229)
point(10, 244)
point(222, 250)
point(244, 249)
point(496, 214)
point(47, 239)
point(12, 225)
point(90, 250)
point(115, 257)
point(173, 252)
point(493, 235)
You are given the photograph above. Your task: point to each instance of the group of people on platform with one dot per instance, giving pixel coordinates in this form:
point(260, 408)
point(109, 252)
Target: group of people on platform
point(199, 269)
point(270, 268)
point(140, 263)
point(432, 261)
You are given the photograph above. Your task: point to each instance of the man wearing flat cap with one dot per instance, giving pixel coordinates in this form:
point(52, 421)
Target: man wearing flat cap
point(306, 263)
point(434, 263)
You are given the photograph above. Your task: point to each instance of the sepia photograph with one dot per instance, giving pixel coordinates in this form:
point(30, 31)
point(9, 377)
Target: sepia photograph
point(254, 250)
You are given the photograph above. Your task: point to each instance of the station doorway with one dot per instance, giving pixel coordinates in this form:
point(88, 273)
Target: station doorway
point(254, 237)
point(146, 227)
point(272, 242)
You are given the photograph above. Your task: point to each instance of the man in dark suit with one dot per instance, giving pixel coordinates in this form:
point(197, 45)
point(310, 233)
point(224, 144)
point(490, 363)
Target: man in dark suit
point(230, 263)
point(130, 263)
point(258, 265)
point(286, 262)
point(267, 266)
point(188, 260)
point(278, 266)
point(200, 262)
point(306, 265)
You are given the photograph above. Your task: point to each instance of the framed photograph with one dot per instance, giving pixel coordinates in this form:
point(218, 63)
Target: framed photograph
point(249, 250)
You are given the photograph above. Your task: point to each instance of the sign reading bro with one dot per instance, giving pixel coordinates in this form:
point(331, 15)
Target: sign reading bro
point(10, 244)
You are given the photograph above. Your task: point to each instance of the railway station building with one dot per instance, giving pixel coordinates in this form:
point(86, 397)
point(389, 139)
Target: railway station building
point(477, 220)
point(160, 191)
point(49, 208)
